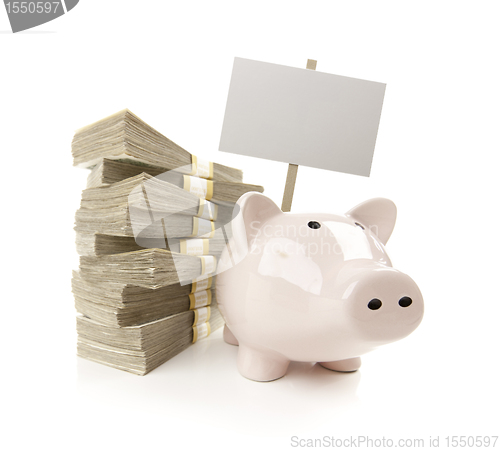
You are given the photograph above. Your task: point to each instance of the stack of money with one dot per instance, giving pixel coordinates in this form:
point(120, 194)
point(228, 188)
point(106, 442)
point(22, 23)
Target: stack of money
point(123, 136)
point(151, 225)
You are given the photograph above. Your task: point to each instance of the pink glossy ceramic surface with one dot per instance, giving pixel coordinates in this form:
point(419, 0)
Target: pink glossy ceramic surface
point(312, 287)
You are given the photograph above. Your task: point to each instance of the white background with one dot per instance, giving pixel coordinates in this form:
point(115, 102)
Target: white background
point(170, 63)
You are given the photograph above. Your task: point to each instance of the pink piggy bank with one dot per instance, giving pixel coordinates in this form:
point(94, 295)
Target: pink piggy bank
point(312, 288)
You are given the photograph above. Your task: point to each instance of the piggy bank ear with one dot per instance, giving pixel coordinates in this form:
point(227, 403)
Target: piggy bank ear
point(254, 210)
point(378, 215)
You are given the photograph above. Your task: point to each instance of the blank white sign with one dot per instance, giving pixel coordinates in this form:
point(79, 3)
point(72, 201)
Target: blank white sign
point(302, 116)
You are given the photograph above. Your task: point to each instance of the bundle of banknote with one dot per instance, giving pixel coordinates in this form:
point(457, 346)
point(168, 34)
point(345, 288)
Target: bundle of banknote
point(144, 205)
point(140, 349)
point(152, 223)
point(123, 136)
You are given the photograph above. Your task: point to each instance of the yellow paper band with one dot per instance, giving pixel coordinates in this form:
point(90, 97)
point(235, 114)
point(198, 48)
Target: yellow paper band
point(201, 331)
point(202, 188)
point(202, 285)
point(200, 246)
point(203, 228)
point(200, 299)
point(201, 315)
point(202, 168)
point(208, 264)
point(207, 210)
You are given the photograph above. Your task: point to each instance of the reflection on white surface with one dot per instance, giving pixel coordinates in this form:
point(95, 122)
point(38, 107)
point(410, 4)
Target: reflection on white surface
point(352, 240)
point(202, 384)
point(287, 259)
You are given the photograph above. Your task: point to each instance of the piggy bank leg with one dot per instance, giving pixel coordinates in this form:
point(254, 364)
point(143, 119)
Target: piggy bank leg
point(229, 337)
point(260, 366)
point(344, 366)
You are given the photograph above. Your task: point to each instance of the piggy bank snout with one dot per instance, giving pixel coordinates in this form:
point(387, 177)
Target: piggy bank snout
point(384, 304)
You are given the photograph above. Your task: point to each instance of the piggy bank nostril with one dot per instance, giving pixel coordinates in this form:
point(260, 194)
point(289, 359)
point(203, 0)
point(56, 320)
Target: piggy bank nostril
point(374, 304)
point(405, 301)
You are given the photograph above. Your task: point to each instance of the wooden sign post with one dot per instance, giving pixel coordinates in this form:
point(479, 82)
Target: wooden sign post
point(291, 176)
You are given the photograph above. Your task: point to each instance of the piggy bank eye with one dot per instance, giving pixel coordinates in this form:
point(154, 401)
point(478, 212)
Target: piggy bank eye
point(314, 224)
point(359, 225)
point(374, 304)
